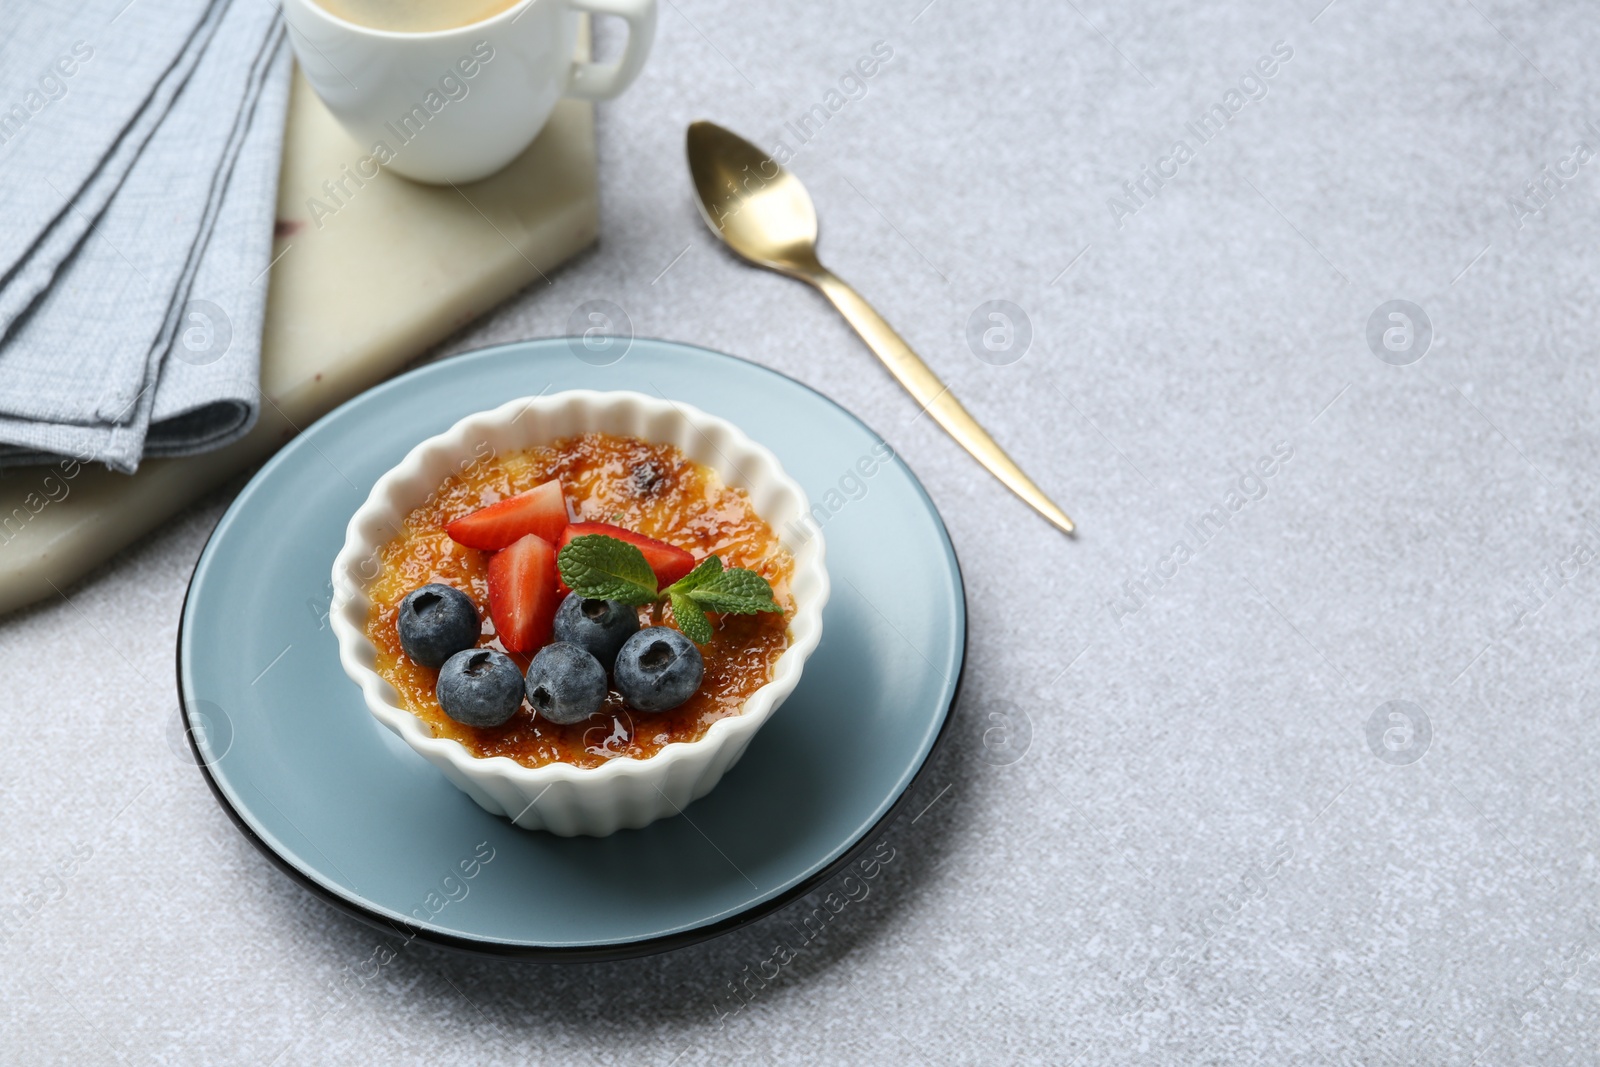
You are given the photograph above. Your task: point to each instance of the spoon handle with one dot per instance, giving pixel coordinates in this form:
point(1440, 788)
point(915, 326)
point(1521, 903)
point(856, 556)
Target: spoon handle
point(934, 396)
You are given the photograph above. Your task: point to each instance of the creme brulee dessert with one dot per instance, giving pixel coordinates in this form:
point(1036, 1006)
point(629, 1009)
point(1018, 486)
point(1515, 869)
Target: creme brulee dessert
point(595, 598)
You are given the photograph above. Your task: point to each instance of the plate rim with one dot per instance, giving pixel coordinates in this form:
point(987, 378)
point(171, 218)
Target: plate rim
point(613, 950)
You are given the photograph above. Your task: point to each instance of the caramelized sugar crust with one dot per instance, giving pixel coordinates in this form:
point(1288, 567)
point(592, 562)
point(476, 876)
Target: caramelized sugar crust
point(654, 489)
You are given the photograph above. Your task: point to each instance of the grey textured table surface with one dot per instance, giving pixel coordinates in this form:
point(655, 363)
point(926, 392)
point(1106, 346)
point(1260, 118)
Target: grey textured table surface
point(1180, 820)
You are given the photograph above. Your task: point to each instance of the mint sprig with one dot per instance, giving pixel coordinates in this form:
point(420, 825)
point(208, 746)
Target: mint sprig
point(600, 567)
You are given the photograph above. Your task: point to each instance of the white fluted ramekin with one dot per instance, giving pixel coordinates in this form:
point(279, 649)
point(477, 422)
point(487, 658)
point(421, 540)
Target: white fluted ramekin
point(624, 792)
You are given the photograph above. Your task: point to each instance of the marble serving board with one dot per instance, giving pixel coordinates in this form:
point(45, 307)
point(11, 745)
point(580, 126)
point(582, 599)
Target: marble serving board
point(354, 295)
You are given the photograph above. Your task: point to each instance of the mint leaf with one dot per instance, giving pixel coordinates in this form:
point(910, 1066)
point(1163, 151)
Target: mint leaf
point(734, 591)
point(706, 570)
point(691, 620)
point(605, 568)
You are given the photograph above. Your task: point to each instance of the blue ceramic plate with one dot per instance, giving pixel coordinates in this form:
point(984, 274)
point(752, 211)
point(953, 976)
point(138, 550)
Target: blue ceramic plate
point(349, 811)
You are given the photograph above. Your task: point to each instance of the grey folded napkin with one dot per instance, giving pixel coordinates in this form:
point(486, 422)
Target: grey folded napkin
point(139, 150)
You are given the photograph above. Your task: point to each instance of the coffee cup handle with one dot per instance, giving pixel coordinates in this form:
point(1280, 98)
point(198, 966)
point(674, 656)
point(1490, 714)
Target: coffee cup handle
point(602, 81)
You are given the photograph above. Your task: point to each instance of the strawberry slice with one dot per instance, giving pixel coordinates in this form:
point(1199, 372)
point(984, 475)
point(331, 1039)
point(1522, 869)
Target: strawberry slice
point(542, 510)
point(522, 593)
point(668, 561)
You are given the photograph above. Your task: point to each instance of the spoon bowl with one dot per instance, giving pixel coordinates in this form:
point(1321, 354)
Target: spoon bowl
point(759, 209)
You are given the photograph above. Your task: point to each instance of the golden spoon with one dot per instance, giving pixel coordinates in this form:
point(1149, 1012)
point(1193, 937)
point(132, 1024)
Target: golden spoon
point(765, 215)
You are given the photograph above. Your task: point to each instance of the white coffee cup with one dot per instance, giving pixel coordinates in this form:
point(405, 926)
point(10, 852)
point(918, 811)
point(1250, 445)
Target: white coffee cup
point(456, 105)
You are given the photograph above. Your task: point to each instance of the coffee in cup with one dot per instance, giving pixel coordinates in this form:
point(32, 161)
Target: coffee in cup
point(415, 16)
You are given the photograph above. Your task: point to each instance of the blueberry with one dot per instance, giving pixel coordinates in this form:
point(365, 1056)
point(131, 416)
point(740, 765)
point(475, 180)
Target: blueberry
point(597, 626)
point(565, 683)
point(435, 623)
point(479, 687)
point(658, 669)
